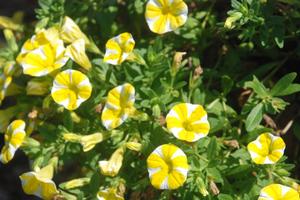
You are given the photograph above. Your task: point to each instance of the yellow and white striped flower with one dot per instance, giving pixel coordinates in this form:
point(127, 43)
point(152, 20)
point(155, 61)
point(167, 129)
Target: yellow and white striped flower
point(119, 106)
point(39, 183)
point(119, 48)
point(278, 192)
point(6, 79)
point(71, 88)
point(14, 137)
point(188, 122)
point(70, 31)
point(266, 149)
point(76, 51)
point(165, 15)
point(43, 53)
point(167, 167)
point(109, 194)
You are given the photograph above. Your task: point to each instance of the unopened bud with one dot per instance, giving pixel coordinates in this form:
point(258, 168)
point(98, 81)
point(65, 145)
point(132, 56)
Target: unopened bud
point(135, 146)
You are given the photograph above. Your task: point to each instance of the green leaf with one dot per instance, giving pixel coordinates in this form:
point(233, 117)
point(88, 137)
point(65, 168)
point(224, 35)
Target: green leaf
point(224, 197)
point(212, 148)
point(257, 87)
point(254, 117)
point(227, 84)
point(291, 89)
point(283, 83)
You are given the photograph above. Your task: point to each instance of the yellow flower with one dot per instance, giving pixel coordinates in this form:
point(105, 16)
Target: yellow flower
point(76, 51)
point(134, 146)
point(167, 167)
point(43, 53)
point(114, 164)
point(266, 149)
point(4, 83)
point(165, 15)
point(13, 137)
point(188, 122)
point(70, 31)
point(88, 142)
point(109, 194)
point(39, 183)
point(71, 88)
point(118, 48)
point(278, 192)
point(119, 106)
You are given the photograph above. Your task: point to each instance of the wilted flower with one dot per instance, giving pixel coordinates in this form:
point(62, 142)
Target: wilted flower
point(43, 53)
point(188, 122)
point(165, 15)
point(79, 182)
point(70, 31)
point(71, 88)
point(13, 138)
point(119, 105)
point(109, 194)
point(8, 23)
point(266, 149)
point(39, 183)
point(87, 142)
point(114, 164)
point(167, 167)
point(118, 48)
point(278, 192)
point(76, 51)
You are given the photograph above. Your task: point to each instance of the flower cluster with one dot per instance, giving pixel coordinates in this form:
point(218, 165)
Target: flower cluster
point(56, 63)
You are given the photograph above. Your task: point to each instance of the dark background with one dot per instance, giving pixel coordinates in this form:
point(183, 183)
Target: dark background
point(10, 184)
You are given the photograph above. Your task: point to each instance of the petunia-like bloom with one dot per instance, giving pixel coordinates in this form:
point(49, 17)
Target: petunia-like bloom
point(163, 16)
point(40, 183)
point(76, 51)
point(14, 137)
point(118, 48)
point(109, 194)
point(114, 164)
point(167, 167)
point(43, 53)
point(4, 83)
point(278, 192)
point(71, 88)
point(188, 122)
point(119, 106)
point(266, 149)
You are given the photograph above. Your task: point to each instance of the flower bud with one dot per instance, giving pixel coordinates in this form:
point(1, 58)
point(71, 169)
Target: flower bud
point(229, 23)
point(79, 182)
point(134, 146)
point(202, 187)
point(113, 165)
point(38, 86)
point(88, 142)
point(8, 23)
point(177, 59)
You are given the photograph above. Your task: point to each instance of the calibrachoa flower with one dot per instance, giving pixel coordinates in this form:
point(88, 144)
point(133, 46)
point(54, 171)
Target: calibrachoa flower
point(76, 51)
point(278, 192)
point(188, 122)
point(167, 167)
point(119, 105)
point(114, 164)
point(39, 183)
point(266, 149)
point(71, 88)
point(13, 137)
point(118, 48)
point(43, 53)
point(165, 15)
point(109, 194)
point(70, 31)
point(5, 79)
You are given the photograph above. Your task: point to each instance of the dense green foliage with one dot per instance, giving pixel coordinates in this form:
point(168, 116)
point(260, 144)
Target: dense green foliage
point(239, 65)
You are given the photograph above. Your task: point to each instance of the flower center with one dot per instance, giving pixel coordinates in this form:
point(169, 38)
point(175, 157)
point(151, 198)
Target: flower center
point(74, 88)
point(169, 165)
point(187, 125)
point(165, 10)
